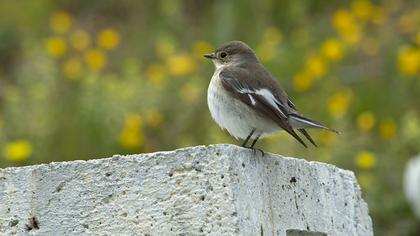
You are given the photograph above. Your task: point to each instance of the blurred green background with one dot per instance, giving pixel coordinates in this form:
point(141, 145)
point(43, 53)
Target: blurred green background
point(89, 79)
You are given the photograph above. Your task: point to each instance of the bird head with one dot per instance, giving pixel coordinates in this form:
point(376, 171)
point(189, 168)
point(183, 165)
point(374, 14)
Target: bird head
point(235, 52)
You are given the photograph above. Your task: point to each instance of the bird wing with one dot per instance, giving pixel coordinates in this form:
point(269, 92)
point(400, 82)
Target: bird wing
point(264, 97)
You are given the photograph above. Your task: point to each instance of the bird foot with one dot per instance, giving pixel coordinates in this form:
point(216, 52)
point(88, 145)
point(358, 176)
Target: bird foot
point(254, 150)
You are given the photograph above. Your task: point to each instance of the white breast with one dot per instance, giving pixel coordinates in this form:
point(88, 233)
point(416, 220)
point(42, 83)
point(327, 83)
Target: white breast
point(233, 115)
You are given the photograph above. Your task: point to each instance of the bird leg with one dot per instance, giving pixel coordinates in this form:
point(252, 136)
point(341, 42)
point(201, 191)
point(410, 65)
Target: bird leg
point(254, 142)
point(247, 138)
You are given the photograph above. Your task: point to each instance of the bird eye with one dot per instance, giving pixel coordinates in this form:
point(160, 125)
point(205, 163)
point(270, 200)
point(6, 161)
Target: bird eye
point(223, 55)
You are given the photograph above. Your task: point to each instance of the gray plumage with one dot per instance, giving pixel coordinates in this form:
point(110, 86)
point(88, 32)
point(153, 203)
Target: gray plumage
point(246, 100)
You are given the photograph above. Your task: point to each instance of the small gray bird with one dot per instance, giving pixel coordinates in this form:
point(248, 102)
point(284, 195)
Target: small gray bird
point(245, 99)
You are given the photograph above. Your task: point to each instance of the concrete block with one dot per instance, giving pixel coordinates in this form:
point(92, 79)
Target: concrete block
point(204, 190)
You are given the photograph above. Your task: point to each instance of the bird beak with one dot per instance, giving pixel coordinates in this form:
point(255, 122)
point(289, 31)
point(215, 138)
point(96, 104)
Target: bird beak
point(210, 56)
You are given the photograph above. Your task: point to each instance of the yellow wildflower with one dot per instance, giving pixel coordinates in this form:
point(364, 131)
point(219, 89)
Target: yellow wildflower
point(108, 39)
point(60, 21)
point(344, 23)
point(342, 20)
point(362, 9)
point(154, 118)
point(156, 73)
point(365, 160)
point(339, 103)
point(189, 93)
point(409, 61)
point(80, 40)
point(95, 59)
point(164, 48)
point(201, 47)
point(388, 128)
point(72, 68)
point(316, 66)
point(18, 150)
point(332, 49)
point(302, 81)
point(180, 64)
point(365, 121)
point(131, 135)
point(56, 46)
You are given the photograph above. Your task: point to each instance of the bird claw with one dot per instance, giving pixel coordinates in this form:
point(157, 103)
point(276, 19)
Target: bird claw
point(254, 150)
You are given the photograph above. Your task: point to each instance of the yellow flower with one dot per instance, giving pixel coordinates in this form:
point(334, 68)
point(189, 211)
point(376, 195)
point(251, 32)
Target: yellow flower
point(156, 74)
point(362, 9)
point(189, 93)
point(302, 81)
point(154, 118)
point(95, 59)
point(316, 66)
point(131, 135)
point(332, 49)
point(60, 21)
point(365, 160)
point(344, 23)
point(164, 48)
point(201, 47)
point(409, 61)
point(342, 20)
point(365, 121)
point(80, 40)
point(108, 39)
point(180, 64)
point(18, 150)
point(56, 46)
point(388, 128)
point(72, 68)
point(339, 103)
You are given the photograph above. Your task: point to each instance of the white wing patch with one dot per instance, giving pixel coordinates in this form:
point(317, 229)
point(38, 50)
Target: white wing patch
point(265, 93)
point(269, 97)
point(252, 99)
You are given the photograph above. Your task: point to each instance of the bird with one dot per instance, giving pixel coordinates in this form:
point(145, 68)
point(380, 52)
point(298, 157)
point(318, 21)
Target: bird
point(246, 100)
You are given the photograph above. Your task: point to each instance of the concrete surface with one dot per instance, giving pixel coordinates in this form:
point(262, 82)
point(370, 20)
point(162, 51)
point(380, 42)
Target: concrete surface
point(212, 190)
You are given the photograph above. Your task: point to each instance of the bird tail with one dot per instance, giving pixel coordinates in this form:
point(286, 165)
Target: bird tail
point(300, 122)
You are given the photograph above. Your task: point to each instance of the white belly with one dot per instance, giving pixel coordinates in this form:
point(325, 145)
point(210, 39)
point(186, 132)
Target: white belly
point(235, 116)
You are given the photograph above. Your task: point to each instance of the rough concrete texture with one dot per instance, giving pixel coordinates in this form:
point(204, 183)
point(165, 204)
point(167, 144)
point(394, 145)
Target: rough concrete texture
point(212, 190)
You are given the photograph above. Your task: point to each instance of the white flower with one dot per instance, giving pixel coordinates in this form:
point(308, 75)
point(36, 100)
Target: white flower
point(412, 184)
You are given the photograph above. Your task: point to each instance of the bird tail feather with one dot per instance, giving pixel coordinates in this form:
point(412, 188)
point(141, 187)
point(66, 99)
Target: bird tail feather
point(300, 122)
